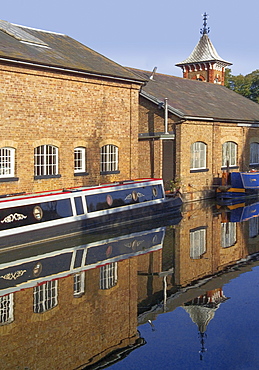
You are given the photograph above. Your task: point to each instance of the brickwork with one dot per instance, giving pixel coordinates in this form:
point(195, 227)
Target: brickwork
point(195, 184)
point(216, 257)
point(78, 331)
point(65, 110)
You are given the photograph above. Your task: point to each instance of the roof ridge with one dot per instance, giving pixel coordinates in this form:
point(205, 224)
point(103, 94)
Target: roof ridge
point(38, 29)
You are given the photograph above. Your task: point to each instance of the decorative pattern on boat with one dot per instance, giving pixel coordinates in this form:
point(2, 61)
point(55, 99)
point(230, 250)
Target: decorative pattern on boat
point(13, 275)
point(13, 217)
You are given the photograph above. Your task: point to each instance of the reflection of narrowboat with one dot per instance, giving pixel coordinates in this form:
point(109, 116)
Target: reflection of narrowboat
point(239, 212)
point(20, 273)
point(33, 217)
point(238, 184)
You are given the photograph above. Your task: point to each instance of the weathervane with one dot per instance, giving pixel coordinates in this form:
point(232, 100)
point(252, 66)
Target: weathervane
point(205, 30)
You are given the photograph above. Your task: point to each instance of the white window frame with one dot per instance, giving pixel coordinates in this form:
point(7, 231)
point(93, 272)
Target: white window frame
point(79, 284)
point(228, 234)
point(79, 159)
point(197, 243)
point(7, 162)
point(46, 160)
point(45, 296)
point(108, 275)
point(254, 153)
point(6, 309)
point(198, 155)
point(109, 158)
point(229, 154)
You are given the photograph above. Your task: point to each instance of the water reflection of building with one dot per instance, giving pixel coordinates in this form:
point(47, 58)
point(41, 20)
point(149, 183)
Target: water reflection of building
point(72, 307)
point(202, 310)
point(206, 243)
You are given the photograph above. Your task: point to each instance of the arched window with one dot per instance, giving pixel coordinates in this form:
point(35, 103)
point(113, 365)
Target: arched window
point(7, 161)
point(46, 160)
point(229, 154)
point(45, 296)
point(254, 153)
point(6, 309)
point(228, 234)
point(198, 155)
point(109, 158)
point(79, 159)
point(108, 275)
point(197, 242)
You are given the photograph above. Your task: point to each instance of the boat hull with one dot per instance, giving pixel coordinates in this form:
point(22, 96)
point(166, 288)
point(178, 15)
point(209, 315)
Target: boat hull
point(82, 212)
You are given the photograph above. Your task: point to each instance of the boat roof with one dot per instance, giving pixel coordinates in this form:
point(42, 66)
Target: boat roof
point(23, 196)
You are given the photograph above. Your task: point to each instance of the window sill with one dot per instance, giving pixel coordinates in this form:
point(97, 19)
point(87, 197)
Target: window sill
point(194, 170)
point(109, 172)
point(8, 179)
point(224, 168)
point(46, 177)
point(81, 173)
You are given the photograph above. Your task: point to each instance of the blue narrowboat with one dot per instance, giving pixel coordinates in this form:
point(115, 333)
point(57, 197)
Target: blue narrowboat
point(236, 185)
point(30, 218)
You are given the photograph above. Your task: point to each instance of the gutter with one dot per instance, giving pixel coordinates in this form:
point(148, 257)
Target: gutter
point(67, 70)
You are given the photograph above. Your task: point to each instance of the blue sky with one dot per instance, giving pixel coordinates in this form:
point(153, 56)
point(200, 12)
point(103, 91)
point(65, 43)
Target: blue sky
point(148, 33)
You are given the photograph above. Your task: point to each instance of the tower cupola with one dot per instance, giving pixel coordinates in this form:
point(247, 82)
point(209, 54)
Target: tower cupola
point(204, 63)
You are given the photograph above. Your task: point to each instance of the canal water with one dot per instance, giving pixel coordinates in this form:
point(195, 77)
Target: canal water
point(177, 293)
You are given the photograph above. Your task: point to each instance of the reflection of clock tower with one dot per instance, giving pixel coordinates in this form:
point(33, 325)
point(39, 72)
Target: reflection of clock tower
point(204, 63)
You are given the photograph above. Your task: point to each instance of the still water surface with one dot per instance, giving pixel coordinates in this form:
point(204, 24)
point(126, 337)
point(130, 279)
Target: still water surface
point(177, 294)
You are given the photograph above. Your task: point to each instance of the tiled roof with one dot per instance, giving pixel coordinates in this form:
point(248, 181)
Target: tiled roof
point(191, 98)
point(49, 49)
point(204, 51)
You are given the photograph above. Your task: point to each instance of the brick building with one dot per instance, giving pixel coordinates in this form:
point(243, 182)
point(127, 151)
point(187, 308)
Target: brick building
point(69, 115)
point(190, 131)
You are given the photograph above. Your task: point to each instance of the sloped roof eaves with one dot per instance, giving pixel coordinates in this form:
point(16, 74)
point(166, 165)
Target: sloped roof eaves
point(200, 99)
point(63, 52)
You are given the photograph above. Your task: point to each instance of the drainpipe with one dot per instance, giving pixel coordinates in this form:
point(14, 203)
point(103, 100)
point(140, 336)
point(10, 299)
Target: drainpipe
point(166, 116)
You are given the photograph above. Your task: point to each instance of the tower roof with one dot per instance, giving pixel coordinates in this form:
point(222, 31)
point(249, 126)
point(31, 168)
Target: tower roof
point(204, 51)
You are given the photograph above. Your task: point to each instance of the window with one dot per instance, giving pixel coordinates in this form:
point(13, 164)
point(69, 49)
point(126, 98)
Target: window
point(45, 296)
point(109, 158)
point(228, 234)
point(108, 275)
point(46, 160)
point(229, 154)
point(7, 162)
point(79, 284)
point(79, 160)
point(6, 309)
point(253, 227)
point(254, 153)
point(198, 155)
point(197, 243)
